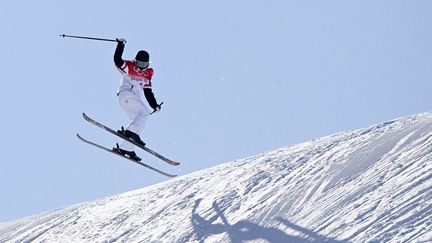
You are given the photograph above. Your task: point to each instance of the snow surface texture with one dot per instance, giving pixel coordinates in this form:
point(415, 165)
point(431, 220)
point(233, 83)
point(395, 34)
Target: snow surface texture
point(369, 185)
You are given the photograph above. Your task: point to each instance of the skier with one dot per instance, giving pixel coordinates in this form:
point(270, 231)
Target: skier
point(137, 77)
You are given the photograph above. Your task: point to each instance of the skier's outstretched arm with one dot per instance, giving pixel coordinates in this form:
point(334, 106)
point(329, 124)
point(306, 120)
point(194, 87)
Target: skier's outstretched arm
point(118, 54)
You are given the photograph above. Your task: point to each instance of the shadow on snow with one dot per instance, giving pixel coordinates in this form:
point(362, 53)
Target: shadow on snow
point(246, 230)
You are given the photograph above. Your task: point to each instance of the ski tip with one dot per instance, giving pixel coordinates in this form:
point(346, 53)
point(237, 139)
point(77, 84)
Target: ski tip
point(171, 162)
point(87, 118)
point(80, 138)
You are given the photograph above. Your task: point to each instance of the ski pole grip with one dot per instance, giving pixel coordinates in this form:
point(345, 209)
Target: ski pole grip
point(156, 110)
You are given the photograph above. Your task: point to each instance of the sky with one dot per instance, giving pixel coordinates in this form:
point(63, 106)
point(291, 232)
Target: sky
point(236, 78)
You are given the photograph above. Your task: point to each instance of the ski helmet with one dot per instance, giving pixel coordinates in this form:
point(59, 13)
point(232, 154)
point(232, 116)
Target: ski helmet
point(142, 59)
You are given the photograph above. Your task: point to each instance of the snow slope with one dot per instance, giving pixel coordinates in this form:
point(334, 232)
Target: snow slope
point(372, 184)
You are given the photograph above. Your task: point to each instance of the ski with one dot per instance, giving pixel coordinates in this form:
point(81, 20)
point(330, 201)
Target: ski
point(111, 151)
point(145, 148)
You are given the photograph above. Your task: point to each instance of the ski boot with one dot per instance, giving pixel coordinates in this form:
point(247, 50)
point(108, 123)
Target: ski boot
point(129, 154)
point(131, 135)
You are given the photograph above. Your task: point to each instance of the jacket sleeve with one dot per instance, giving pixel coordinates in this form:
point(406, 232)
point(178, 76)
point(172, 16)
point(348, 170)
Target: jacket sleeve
point(118, 55)
point(150, 98)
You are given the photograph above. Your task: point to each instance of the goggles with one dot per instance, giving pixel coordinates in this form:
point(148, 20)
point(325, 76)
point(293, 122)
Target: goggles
point(141, 65)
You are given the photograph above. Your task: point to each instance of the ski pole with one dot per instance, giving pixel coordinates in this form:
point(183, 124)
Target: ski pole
point(88, 38)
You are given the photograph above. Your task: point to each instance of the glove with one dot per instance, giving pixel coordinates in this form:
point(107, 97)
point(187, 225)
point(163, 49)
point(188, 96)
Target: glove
point(121, 40)
point(157, 108)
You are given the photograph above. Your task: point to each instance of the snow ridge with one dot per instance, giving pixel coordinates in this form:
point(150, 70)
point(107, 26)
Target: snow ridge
point(372, 184)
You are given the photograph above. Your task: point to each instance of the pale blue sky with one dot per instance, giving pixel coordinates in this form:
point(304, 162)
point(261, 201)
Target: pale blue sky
point(237, 78)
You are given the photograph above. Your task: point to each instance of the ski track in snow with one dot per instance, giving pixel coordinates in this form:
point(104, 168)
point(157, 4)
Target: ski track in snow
point(368, 185)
